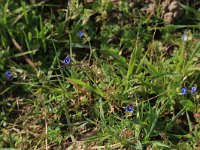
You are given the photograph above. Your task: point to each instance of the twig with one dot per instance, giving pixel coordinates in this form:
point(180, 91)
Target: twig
point(28, 60)
point(114, 146)
point(46, 130)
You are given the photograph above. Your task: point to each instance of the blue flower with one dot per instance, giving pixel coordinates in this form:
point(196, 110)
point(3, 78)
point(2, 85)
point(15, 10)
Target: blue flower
point(8, 75)
point(67, 60)
point(80, 33)
point(184, 37)
point(129, 109)
point(193, 89)
point(184, 91)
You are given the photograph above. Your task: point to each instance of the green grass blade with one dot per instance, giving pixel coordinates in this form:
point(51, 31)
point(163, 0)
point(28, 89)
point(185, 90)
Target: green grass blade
point(23, 53)
point(196, 50)
point(88, 87)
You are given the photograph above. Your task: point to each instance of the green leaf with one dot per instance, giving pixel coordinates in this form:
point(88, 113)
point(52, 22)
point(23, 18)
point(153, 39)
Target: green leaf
point(197, 49)
point(112, 53)
point(88, 87)
point(151, 68)
point(160, 145)
point(132, 63)
point(24, 53)
point(101, 111)
point(188, 104)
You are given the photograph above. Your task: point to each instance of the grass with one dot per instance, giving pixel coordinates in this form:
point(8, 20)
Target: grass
point(123, 59)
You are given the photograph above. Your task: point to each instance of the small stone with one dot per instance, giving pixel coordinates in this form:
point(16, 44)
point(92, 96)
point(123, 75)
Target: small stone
point(165, 5)
point(174, 6)
point(168, 17)
point(89, 1)
point(132, 4)
point(151, 9)
point(98, 19)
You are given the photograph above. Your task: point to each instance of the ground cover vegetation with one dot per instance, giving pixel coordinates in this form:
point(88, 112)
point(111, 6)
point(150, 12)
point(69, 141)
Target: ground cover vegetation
point(100, 74)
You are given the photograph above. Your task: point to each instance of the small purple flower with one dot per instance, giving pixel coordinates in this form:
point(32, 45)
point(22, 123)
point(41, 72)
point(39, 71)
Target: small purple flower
point(61, 67)
point(129, 109)
point(193, 89)
point(67, 60)
point(184, 37)
point(8, 75)
point(80, 33)
point(184, 91)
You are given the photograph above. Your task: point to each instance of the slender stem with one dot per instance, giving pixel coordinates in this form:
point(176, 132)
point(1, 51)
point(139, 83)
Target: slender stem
point(91, 52)
point(70, 46)
point(46, 130)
